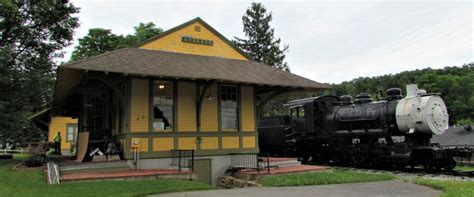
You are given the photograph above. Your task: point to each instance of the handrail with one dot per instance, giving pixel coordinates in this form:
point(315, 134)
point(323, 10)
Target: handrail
point(241, 161)
point(182, 159)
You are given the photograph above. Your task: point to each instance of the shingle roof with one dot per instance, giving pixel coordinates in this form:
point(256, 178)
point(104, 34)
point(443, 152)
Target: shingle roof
point(154, 63)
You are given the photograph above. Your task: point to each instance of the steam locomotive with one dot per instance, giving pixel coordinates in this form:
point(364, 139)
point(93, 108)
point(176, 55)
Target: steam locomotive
point(393, 131)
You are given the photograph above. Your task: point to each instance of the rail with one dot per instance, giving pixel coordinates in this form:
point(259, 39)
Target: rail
point(183, 159)
point(241, 161)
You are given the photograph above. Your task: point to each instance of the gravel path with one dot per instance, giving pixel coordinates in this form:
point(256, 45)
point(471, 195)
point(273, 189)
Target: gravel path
point(411, 175)
point(371, 189)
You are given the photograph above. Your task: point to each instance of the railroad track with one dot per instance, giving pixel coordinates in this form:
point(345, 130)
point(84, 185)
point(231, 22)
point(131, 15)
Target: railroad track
point(418, 173)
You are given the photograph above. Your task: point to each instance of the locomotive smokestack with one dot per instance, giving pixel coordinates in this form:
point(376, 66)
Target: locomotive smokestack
point(412, 90)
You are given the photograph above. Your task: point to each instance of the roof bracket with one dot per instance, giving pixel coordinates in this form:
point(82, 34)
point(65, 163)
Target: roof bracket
point(200, 98)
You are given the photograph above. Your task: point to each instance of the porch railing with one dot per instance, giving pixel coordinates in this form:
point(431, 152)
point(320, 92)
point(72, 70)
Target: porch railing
point(242, 161)
point(5, 151)
point(183, 159)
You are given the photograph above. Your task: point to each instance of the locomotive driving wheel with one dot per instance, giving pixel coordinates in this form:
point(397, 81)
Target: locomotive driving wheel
point(304, 157)
point(450, 164)
point(359, 156)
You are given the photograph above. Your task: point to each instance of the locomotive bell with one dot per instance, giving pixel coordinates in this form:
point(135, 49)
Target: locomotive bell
point(421, 112)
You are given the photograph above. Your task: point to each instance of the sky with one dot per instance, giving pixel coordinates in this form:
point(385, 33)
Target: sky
point(330, 41)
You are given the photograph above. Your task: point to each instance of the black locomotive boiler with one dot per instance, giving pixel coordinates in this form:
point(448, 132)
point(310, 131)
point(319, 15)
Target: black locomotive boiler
point(394, 131)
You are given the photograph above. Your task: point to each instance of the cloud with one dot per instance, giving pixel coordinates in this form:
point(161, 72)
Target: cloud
point(435, 36)
point(329, 41)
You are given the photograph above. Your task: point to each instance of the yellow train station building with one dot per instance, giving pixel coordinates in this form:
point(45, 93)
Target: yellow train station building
point(188, 88)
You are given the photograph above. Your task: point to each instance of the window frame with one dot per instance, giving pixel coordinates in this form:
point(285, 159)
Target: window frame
point(238, 108)
point(173, 106)
point(75, 132)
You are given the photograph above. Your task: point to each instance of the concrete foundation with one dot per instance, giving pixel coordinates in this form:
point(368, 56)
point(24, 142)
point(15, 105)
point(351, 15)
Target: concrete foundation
point(219, 165)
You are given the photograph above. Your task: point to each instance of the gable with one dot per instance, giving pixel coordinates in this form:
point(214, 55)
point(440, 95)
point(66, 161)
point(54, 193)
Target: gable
point(195, 38)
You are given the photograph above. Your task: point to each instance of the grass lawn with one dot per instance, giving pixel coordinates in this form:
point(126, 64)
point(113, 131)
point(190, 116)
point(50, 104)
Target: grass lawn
point(322, 178)
point(33, 183)
point(464, 168)
point(450, 188)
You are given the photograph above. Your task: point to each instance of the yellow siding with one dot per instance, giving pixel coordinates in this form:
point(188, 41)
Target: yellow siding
point(209, 111)
point(172, 42)
point(186, 106)
point(248, 142)
point(163, 144)
point(187, 143)
point(59, 124)
point(140, 106)
point(248, 111)
point(230, 142)
point(208, 143)
point(142, 144)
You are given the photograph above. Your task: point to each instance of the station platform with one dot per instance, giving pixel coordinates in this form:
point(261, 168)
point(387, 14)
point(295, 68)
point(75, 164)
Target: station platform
point(281, 165)
point(128, 174)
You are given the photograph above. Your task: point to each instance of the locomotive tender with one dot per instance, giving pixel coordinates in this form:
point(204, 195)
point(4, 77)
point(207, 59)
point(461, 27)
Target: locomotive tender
point(389, 132)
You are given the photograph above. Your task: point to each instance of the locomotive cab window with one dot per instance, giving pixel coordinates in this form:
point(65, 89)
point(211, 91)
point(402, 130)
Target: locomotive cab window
point(297, 112)
point(300, 112)
point(293, 113)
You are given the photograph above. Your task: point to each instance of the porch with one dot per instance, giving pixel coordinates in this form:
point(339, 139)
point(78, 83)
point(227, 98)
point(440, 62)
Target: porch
point(180, 165)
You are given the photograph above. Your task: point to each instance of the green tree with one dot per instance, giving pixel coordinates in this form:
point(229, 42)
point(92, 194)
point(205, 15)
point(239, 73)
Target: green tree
point(143, 32)
point(260, 42)
point(99, 40)
point(32, 34)
point(96, 42)
point(454, 84)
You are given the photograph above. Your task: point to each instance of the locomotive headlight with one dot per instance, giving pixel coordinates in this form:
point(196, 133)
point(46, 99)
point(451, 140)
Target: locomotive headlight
point(424, 113)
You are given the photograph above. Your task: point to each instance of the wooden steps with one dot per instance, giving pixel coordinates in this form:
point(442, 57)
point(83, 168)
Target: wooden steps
point(278, 166)
point(280, 162)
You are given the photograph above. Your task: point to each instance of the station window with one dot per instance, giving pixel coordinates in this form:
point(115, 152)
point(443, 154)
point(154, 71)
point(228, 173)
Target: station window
point(229, 108)
point(163, 105)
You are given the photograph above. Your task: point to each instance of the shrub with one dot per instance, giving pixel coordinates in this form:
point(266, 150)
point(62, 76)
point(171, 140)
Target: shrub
point(39, 148)
point(465, 122)
point(36, 161)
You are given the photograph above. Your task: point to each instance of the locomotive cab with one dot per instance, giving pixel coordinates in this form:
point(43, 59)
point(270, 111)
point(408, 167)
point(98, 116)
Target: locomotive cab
point(298, 121)
point(307, 114)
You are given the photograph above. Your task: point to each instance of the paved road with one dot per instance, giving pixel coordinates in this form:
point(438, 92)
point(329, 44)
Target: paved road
point(373, 189)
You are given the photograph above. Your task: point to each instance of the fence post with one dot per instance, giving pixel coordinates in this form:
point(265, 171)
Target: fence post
point(179, 160)
point(268, 163)
point(192, 160)
point(258, 164)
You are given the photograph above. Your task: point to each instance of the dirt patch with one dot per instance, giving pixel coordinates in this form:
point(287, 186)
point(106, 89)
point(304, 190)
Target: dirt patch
point(22, 166)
